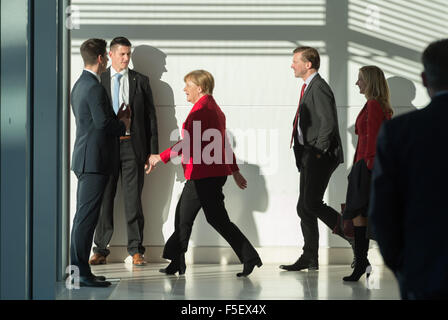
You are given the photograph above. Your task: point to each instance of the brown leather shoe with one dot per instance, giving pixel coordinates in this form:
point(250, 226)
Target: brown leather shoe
point(137, 260)
point(97, 259)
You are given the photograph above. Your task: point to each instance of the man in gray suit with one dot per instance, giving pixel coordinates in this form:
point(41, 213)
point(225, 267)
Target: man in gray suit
point(131, 88)
point(318, 152)
point(97, 132)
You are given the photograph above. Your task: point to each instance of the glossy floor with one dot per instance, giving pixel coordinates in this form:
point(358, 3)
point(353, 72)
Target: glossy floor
point(217, 282)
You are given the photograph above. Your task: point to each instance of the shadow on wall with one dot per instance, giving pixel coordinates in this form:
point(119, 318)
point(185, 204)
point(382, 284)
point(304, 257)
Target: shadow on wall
point(402, 93)
point(158, 187)
point(241, 206)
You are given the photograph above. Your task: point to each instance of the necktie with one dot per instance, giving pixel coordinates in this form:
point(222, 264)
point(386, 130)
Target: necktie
point(116, 94)
point(297, 115)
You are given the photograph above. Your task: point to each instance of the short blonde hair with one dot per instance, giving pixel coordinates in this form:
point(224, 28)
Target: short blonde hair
point(376, 86)
point(203, 79)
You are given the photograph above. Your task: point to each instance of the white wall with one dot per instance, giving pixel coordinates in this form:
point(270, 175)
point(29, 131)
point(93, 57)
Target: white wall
point(249, 54)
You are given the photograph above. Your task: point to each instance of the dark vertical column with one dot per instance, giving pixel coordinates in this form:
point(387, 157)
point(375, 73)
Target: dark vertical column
point(15, 218)
point(48, 145)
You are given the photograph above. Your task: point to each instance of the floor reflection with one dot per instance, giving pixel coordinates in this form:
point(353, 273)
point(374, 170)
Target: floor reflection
point(219, 282)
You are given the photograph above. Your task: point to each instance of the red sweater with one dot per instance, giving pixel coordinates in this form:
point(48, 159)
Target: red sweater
point(204, 156)
point(367, 126)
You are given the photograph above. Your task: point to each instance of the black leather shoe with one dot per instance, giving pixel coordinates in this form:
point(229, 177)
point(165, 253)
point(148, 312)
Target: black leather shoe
point(100, 278)
point(93, 282)
point(301, 264)
point(176, 265)
point(249, 267)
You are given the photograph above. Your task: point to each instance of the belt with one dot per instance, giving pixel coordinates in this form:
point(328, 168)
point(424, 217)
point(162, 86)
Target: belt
point(125, 137)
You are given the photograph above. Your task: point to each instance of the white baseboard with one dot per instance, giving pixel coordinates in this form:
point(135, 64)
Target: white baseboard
point(225, 255)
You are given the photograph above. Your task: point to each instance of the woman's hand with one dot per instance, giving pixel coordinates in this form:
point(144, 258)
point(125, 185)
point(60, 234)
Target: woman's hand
point(239, 180)
point(151, 163)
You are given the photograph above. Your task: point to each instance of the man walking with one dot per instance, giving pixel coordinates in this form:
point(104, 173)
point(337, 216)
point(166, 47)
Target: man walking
point(318, 152)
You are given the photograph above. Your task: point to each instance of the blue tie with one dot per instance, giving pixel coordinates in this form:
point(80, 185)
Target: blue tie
point(116, 95)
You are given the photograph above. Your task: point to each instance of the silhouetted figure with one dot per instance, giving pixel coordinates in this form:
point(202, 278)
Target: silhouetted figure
point(408, 202)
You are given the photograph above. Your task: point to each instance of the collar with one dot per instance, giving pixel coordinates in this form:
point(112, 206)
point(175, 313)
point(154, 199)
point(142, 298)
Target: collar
point(308, 80)
point(96, 75)
point(113, 72)
point(202, 102)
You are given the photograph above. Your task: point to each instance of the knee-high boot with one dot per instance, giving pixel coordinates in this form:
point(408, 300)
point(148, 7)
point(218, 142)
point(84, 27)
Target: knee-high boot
point(362, 264)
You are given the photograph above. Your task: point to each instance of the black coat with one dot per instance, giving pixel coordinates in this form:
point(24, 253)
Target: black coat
point(358, 191)
point(319, 122)
point(97, 127)
point(143, 119)
point(408, 203)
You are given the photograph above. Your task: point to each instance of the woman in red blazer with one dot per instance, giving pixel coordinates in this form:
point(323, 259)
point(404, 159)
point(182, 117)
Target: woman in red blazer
point(207, 160)
point(373, 85)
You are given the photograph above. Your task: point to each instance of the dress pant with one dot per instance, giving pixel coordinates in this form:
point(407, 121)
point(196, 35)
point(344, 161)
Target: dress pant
point(206, 194)
point(132, 178)
point(88, 204)
point(315, 174)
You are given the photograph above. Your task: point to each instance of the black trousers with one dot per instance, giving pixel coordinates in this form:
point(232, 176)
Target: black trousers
point(132, 178)
point(315, 174)
point(206, 194)
point(88, 204)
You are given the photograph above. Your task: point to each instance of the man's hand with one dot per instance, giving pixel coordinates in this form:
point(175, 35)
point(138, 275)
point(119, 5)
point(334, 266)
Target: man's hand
point(239, 180)
point(151, 162)
point(125, 114)
point(127, 123)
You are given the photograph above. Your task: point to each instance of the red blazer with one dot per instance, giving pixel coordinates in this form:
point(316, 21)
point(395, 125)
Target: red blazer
point(367, 126)
point(198, 151)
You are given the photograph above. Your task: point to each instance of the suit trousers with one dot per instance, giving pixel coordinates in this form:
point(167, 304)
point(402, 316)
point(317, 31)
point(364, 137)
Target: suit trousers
point(132, 178)
point(206, 194)
point(315, 174)
point(88, 204)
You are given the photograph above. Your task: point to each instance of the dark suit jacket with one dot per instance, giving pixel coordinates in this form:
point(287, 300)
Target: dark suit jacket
point(143, 119)
point(97, 127)
point(408, 208)
point(319, 121)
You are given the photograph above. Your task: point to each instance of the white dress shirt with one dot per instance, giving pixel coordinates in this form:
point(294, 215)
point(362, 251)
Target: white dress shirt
point(124, 85)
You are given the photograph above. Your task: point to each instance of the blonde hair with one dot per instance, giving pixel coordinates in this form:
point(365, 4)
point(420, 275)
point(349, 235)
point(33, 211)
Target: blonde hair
point(376, 87)
point(203, 79)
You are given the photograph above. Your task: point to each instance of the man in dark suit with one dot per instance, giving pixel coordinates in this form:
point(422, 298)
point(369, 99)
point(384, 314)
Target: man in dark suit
point(318, 152)
point(97, 132)
point(408, 208)
point(126, 87)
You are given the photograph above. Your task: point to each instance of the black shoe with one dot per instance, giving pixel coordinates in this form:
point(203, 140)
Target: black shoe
point(176, 265)
point(93, 282)
point(360, 248)
point(249, 267)
point(100, 278)
point(360, 269)
point(301, 264)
